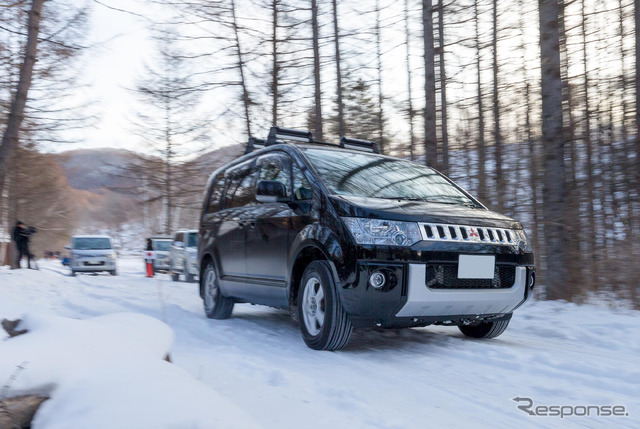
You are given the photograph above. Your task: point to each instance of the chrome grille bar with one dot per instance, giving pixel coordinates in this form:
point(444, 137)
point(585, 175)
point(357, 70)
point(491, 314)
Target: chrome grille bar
point(468, 234)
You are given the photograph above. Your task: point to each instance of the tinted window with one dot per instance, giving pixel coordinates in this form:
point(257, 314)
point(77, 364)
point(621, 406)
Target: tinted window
point(276, 166)
point(217, 188)
point(373, 176)
point(178, 237)
point(301, 186)
point(192, 240)
point(91, 243)
point(240, 189)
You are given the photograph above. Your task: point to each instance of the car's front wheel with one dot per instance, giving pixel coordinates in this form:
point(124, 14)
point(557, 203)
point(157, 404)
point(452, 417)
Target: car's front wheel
point(485, 329)
point(216, 306)
point(323, 322)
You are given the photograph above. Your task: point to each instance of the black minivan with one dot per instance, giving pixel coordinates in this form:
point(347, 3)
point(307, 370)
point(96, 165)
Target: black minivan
point(347, 238)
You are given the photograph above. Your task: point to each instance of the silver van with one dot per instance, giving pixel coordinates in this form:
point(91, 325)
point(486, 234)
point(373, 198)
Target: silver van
point(92, 253)
point(183, 255)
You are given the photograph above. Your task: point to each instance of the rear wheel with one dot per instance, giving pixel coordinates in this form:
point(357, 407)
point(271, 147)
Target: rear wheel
point(73, 273)
point(323, 322)
point(189, 278)
point(216, 306)
point(113, 273)
point(485, 329)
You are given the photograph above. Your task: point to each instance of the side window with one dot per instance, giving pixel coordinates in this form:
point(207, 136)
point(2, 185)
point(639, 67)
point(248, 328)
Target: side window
point(241, 186)
point(217, 188)
point(276, 166)
point(193, 242)
point(178, 237)
point(301, 186)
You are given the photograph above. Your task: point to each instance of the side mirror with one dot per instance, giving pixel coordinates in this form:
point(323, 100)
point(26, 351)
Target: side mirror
point(68, 247)
point(271, 191)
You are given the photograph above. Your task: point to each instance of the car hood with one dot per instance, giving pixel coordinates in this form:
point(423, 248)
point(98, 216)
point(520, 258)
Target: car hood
point(420, 211)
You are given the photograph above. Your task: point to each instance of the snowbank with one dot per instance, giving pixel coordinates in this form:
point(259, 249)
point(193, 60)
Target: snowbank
point(108, 372)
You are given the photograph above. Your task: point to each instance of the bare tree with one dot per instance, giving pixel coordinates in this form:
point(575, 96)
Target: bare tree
point(10, 138)
point(430, 138)
point(553, 143)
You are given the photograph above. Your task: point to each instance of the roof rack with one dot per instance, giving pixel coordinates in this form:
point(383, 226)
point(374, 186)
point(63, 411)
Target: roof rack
point(254, 143)
point(279, 135)
point(358, 144)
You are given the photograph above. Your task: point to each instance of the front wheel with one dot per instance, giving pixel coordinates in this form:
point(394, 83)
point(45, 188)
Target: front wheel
point(216, 306)
point(323, 322)
point(485, 329)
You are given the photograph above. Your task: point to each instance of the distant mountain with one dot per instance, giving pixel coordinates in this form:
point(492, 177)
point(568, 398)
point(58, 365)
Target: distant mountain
point(93, 169)
point(89, 169)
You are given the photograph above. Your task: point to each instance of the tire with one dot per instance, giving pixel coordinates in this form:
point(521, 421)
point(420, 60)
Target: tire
point(216, 306)
point(113, 273)
point(174, 276)
point(485, 329)
point(322, 330)
point(73, 273)
point(188, 277)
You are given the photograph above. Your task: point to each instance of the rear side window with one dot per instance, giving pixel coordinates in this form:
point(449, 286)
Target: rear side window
point(217, 189)
point(192, 240)
point(178, 237)
point(240, 190)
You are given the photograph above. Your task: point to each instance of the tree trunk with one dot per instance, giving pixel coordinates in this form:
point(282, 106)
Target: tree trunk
point(246, 99)
point(336, 32)
point(553, 143)
point(443, 91)
point(500, 184)
point(317, 96)
point(11, 134)
point(380, 112)
point(274, 64)
point(430, 139)
point(482, 176)
point(409, 90)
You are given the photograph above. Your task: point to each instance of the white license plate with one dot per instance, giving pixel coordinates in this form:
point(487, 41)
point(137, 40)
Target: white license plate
point(476, 266)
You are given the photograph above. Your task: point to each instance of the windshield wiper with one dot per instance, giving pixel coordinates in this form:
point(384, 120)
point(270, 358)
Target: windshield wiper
point(427, 200)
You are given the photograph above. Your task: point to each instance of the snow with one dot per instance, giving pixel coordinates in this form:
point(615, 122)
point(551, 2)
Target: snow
point(255, 370)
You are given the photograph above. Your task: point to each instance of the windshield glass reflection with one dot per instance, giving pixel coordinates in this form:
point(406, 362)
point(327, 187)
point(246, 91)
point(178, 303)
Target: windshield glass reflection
point(364, 175)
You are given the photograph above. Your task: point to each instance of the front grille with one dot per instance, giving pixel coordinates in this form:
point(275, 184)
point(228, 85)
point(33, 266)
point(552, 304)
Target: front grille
point(445, 276)
point(468, 234)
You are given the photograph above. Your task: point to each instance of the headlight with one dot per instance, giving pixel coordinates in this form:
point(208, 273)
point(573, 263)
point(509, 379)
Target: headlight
point(114, 255)
point(385, 232)
point(523, 241)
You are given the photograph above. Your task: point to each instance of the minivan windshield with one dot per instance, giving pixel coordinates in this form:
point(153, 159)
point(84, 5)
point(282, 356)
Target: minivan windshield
point(91, 243)
point(161, 245)
point(364, 175)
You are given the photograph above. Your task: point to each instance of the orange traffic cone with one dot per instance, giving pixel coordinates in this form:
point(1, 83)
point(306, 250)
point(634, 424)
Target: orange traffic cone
point(149, 269)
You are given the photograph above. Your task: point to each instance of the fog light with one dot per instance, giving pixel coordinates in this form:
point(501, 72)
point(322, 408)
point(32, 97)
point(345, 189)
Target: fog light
point(377, 280)
point(532, 280)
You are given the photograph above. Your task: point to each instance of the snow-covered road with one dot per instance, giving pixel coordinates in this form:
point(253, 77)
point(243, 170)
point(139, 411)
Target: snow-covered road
point(554, 353)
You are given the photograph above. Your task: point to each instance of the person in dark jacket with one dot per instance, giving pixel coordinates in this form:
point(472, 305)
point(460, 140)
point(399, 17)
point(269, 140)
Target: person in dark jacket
point(21, 236)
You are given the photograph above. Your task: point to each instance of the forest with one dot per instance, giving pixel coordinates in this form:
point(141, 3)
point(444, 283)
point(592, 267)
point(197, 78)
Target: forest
point(530, 106)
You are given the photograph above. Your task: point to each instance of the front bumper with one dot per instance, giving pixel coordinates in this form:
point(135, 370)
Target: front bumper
point(414, 300)
point(94, 266)
point(424, 301)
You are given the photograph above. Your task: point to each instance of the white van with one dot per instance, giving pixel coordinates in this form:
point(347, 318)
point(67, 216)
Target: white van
point(92, 253)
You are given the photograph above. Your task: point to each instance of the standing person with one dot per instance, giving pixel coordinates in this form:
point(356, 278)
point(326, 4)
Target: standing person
point(21, 236)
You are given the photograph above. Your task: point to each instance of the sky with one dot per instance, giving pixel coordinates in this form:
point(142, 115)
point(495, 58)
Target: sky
point(111, 69)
